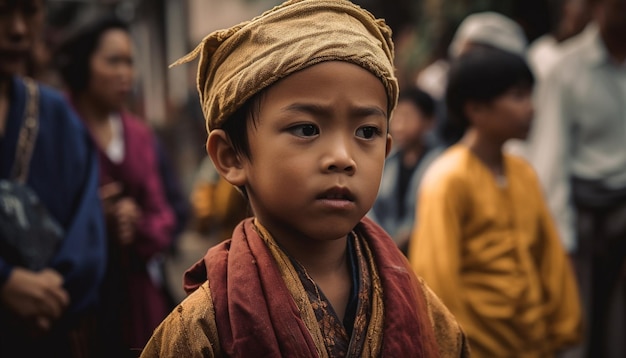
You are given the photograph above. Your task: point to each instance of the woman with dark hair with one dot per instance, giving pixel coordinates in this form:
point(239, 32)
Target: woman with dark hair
point(97, 67)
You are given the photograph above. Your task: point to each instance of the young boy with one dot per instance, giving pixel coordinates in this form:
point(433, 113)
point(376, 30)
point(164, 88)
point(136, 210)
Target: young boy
point(484, 240)
point(394, 208)
point(297, 103)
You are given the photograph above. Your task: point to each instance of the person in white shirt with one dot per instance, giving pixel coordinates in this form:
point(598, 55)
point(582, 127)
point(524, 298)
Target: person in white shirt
point(569, 17)
point(577, 145)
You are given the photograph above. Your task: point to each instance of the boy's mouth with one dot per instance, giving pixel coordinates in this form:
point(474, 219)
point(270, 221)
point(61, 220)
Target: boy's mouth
point(337, 193)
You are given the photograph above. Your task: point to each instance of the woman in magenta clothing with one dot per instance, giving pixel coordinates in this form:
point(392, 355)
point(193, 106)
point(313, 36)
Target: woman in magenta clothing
point(97, 67)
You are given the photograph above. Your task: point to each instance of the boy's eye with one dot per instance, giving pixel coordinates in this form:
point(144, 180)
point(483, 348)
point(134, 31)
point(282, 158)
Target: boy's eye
point(305, 130)
point(367, 132)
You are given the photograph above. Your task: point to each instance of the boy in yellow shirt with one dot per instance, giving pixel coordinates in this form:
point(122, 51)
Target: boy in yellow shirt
point(485, 241)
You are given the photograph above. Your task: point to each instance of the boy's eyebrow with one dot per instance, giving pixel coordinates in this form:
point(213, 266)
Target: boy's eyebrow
point(318, 110)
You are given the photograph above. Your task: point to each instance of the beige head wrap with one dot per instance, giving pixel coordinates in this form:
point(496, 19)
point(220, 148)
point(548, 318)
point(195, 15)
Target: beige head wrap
point(237, 63)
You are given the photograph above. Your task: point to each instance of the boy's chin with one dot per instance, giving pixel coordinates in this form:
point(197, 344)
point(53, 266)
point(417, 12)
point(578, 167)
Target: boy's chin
point(333, 234)
point(333, 231)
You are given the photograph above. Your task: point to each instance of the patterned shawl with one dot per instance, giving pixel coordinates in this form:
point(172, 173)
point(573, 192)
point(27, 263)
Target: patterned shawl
point(261, 305)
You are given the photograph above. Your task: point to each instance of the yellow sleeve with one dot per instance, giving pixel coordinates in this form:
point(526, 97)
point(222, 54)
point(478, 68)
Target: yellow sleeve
point(559, 283)
point(188, 331)
point(435, 246)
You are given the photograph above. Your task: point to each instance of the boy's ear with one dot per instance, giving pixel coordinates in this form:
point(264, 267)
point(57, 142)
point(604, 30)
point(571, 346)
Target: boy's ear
point(227, 162)
point(389, 145)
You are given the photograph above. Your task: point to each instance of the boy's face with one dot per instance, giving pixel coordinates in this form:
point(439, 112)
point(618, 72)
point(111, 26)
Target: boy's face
point(21, 21)
point(408, 125)
point(317, 152)
point(508, 116)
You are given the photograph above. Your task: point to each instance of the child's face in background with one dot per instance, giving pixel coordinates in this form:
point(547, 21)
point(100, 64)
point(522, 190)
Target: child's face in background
point(408, 125)
point(317, 152)
point(509, 115)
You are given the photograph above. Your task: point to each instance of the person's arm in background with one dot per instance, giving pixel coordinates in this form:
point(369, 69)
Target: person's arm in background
point(82, 256)
point(36, 297)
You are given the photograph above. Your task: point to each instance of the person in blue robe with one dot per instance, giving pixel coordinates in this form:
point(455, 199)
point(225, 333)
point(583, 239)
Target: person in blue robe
point(64, 174)
point(49, 312)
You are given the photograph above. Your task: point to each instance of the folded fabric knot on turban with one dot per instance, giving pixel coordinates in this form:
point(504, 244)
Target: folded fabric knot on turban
point(238, 62)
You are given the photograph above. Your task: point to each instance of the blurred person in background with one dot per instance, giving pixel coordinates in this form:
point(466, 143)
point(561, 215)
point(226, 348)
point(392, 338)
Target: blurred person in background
point(577, 146)
point(174, 193)
point(48, 312)
point(485, 240)
point(482, 29)
point(96, 64)
point(217, 205)
point(178, 201)
point(569, 18)
point(394, 208)
point(216, 209)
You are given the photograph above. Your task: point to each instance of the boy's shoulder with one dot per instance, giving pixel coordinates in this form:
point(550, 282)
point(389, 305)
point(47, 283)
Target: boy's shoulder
point(198, 304)
point(520, 167)
point(190, 328)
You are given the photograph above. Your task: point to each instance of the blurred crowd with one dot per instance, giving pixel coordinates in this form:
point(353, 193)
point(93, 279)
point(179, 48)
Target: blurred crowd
point(543, 224)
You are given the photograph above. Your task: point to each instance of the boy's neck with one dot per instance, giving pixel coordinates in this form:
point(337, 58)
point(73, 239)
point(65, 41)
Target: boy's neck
point(486, 149)
point(319, 258)
point(326, 264)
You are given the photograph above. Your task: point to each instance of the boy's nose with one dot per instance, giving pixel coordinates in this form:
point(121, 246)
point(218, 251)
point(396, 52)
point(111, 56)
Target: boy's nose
point(339, 159)
point(348, 169)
